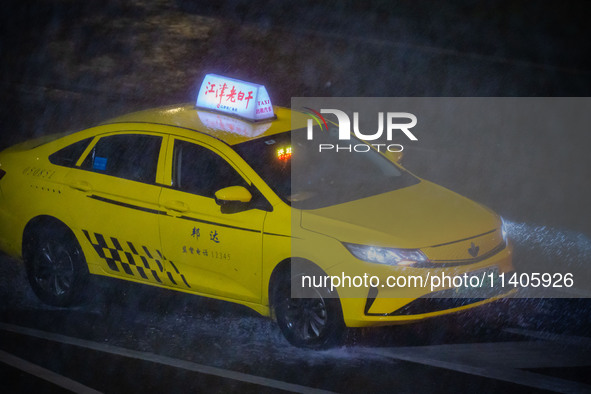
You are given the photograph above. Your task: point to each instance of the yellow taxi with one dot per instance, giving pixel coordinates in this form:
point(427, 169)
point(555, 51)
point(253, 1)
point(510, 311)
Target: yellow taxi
point(199, 199)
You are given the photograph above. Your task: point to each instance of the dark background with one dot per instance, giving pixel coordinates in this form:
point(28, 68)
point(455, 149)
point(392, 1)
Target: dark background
point(59, 55)
point(67, 65)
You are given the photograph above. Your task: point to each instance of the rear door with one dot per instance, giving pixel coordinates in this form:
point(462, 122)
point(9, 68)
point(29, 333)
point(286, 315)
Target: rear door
point(114, 201)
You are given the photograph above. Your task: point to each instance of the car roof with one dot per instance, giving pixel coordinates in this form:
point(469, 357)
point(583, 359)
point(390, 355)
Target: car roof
point(229, 129)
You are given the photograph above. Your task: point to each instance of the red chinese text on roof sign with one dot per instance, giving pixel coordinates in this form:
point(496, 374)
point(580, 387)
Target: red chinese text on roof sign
point(232, 96)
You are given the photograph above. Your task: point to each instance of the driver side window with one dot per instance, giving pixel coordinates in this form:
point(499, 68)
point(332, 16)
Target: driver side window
point(200, 171)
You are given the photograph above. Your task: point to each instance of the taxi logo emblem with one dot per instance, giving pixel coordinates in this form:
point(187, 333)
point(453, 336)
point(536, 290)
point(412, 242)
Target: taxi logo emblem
point(473, 250)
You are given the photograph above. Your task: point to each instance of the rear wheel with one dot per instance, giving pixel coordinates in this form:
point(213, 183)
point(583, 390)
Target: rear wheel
point(55, 264)
point(315, 322)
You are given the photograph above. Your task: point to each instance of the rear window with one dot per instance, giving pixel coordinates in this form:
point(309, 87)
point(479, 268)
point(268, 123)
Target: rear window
point(69, 155)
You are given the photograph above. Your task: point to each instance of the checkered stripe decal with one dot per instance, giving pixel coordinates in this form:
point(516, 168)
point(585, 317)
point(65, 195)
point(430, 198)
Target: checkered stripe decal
point(124, 257)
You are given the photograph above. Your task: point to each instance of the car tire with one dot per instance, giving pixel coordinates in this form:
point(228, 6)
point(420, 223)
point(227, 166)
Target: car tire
point(314, 323)
point(55, 265)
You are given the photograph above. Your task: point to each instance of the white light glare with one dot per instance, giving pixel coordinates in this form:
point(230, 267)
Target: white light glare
point(389, 256)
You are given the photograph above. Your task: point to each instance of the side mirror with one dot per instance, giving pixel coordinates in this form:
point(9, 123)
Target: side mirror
point(233, 198)
point(396, 157)
point(232, 194)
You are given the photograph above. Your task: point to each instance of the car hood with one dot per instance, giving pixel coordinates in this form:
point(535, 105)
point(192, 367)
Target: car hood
point(417, 216)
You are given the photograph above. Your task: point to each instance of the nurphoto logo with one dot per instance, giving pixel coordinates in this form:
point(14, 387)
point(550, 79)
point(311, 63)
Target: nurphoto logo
point(344, 130)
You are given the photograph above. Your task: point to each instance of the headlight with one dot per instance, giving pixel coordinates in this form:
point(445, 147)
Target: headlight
point(389, 256)
point(504, 229)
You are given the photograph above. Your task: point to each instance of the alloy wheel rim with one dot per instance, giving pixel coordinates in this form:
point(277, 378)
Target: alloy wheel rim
point(306, 317)
point(54, 269)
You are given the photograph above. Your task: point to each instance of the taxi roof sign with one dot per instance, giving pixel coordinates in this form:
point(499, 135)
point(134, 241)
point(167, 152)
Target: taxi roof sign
point(232, 96)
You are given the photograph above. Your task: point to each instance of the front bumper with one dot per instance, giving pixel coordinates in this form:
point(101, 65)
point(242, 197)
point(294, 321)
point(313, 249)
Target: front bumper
point(384, 305)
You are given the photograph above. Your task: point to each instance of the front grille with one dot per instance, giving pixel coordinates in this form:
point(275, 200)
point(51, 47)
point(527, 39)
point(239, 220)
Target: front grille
point(443, 300)
point(426, 305)
point(439, 300)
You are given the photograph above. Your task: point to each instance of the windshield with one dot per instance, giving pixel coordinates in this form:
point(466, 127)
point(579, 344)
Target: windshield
point(308, 179)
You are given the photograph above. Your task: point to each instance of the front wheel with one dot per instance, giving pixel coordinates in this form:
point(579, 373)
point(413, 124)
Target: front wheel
point(55, 265)
point(315, 322)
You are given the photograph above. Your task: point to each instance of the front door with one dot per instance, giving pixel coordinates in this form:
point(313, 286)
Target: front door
point(214, 253)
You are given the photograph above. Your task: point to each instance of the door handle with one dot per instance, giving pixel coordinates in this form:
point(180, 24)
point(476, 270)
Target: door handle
point(176, 205)
point(81, 185)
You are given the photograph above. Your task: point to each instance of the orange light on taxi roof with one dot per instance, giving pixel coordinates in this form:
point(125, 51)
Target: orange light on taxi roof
point(284, 153)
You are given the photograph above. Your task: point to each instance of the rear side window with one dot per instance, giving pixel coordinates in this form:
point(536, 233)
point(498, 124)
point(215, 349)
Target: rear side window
point(127, 156)
point(69, 155)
